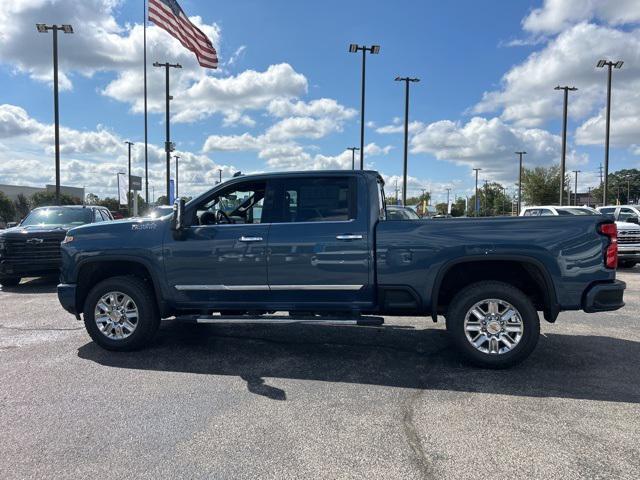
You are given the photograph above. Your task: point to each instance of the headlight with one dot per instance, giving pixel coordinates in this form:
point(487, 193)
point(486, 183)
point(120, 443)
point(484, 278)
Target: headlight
point(67, 239)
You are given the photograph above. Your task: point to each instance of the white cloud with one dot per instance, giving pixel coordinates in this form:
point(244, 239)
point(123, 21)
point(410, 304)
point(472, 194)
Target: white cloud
point(526, 97)
point(398, 127)
point(320, 108)
point(557, 15)
point(490, 145)
point(90, 158)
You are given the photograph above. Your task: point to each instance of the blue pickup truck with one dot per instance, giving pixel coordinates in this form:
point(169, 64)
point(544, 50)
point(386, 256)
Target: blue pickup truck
point(321, 243)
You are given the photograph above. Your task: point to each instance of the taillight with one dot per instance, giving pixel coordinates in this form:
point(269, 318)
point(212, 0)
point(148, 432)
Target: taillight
point(611, 254)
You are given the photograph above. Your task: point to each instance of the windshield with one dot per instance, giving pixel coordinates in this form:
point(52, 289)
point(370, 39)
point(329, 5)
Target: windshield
point(58, 216)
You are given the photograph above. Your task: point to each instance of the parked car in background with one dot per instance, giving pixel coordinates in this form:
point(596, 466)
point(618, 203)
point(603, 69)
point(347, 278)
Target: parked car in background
point(401, 213)
point(32, 248)
point(320, 243)
point(618, 211)
point(554, 210)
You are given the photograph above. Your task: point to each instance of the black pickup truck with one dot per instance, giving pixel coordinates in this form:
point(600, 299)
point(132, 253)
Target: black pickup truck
point(33, 247)
point(321, 242)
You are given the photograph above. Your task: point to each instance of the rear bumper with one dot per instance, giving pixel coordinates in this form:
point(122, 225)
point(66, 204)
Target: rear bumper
point(604, 297)
point(67, 297)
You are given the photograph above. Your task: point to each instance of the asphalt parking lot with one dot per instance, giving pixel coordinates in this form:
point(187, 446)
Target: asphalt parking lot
point(305, 401)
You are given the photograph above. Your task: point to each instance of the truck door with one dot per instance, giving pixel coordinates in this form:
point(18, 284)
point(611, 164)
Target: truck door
point(319, 245)
point(221, 257)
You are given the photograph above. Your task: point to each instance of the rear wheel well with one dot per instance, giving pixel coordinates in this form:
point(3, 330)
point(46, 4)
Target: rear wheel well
point(95, 272)
point(525, 276)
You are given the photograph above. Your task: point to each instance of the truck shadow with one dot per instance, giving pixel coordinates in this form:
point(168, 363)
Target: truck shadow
point(34, 285)
point(563, 366)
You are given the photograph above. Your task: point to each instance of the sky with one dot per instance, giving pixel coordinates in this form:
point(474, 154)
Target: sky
point(287, 93)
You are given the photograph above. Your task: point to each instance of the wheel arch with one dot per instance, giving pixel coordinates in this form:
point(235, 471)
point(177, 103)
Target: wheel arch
point(532, 266)
point(91, 271)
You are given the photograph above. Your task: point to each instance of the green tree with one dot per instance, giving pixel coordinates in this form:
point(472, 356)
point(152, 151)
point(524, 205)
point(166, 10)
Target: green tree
point(492, 201)
point(624, 186)
point(46, 198)
point(111, 203)
point(161, 200)
point(541, 185)
point(7, 209)
point(21, 204)
point(92, 199)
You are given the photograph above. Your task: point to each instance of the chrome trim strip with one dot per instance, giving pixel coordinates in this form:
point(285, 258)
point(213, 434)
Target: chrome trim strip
point(265, 287)
point(316, 287)
point(221, 287)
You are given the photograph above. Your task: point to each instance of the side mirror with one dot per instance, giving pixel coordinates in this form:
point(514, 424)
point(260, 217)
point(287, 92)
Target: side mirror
point(178, 215)
point(633, 219)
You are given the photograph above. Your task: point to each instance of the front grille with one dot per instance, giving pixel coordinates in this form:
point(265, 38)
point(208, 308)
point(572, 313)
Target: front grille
point(28, 248)
point(628, 236)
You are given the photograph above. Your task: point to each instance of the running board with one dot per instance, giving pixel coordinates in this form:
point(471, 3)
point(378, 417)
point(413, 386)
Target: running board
point(229, 320)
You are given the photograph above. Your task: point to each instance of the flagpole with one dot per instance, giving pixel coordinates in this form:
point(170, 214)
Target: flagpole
point(146, 155)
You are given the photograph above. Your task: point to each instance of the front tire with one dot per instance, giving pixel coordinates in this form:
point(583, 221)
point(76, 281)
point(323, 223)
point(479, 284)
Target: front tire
point(493, 324)
point(10, 281)
point(120, 313)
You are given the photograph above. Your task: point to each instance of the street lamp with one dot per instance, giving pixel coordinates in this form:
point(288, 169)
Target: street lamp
point(353, 156)
point(168, 146)
point(520, 182)
point(610, 65)
point(575, 190)
point(129, 198)
point(406, 81)
point(477, 204)
point(373, 49)
point(564, 137)
point(44, 28)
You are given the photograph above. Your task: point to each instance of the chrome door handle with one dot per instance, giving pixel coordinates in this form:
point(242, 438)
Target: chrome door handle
point(349, 237)
point(250, 239)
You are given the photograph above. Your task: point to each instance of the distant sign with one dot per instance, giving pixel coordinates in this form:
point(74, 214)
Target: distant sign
point(136, 183)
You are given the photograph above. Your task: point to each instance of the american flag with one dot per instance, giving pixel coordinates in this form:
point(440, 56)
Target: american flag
point(168, 15)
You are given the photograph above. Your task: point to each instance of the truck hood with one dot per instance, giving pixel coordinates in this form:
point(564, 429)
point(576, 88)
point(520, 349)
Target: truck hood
point(118, 226)
point(622, 226)
point(33, 229)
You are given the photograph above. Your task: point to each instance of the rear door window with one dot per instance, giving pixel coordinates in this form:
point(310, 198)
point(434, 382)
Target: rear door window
point(317, 199)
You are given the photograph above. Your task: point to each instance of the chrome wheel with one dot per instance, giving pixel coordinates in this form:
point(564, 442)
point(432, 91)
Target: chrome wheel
point(116, 315)
point(493, 326)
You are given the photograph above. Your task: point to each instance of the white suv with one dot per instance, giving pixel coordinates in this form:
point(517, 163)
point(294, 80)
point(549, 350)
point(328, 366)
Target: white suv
point(554, 210)
point(627, 218)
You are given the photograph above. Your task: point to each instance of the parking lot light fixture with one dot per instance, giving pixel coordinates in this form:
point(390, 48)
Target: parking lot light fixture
point(44, 28)
point(566, 90)
point(520, 154)
point(406, 81)
point(374, 49)
point(610, 66)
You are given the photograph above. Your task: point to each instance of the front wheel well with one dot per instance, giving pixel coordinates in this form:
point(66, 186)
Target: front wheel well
point(92, 273)
point(525, 276)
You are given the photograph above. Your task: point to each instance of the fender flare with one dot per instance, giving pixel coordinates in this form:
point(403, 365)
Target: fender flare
point(551, 302)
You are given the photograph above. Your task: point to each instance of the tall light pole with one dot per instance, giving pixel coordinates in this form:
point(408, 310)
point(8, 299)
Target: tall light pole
point(448, 191)
point(44, 28)
point(564, 137)
point(575, 189)
point(220, 175)
point(520, 154)
point(129, 196)
point(353, 156)
point(406, 81)
point(610, 65)
point(374, 49)
point(476, 206)
point(177, 157)
point(168, 146)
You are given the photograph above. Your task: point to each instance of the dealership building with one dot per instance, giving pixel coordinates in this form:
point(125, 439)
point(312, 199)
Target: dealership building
point(12, 191)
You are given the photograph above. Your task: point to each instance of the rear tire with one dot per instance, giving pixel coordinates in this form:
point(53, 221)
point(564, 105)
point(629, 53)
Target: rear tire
point(10, 281)
point(120, 313)
point(493, 324)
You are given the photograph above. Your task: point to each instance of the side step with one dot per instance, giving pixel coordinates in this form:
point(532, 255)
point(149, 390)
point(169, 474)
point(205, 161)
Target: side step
point(284, 320)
